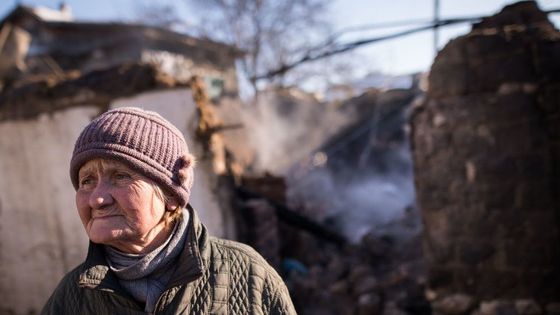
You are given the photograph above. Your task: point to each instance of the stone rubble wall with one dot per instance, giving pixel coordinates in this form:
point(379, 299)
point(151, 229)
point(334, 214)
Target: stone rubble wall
point(486, 146)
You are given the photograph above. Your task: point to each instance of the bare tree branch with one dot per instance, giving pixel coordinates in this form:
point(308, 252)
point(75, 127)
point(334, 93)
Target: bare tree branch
point(270, 32)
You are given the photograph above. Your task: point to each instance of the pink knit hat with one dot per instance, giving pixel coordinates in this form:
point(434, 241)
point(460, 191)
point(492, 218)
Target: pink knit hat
point(144, 141)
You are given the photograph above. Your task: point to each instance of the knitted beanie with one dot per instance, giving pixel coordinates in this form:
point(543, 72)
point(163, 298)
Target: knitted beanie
point(145, 142)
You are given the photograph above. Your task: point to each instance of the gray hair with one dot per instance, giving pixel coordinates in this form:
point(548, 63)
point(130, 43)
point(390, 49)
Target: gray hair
point(169, 215)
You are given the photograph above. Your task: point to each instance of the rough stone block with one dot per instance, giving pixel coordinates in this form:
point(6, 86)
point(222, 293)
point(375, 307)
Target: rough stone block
point(366, 285)
point(440, 277)
point(479, 46)
point(546, 60)
point(490, 74)
point(528, 307)
point(369, 304)
point(474, 253)
point(453, 52)
point(392, 309)
point(553, 308)
point(527, 255)
point(490, 282)
point(540, 282)
point(550, 94)
point(455, 304)
point(454, 82)
point(497, 307)
point(339, 288)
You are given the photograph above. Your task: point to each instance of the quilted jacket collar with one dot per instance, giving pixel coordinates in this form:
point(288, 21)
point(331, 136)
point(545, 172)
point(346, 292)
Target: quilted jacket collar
point(95, 272)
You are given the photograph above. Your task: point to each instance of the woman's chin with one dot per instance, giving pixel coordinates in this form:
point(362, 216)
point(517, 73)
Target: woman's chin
point(107, 230)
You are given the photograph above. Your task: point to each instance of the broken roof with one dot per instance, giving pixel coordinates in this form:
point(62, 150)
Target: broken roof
point(47, 93)
point(61, 21)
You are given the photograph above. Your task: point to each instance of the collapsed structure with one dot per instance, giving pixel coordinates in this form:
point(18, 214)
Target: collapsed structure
point(486, 152)
point(36, 41)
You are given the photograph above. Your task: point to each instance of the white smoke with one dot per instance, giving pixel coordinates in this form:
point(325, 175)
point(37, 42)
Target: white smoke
point(285, 126)
point(369, 203)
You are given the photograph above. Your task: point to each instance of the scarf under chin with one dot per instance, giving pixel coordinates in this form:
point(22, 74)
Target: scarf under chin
point(144, 276)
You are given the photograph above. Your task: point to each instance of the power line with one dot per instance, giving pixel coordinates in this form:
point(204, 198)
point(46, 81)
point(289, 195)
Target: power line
point(319, 53)
point(377, 26)
point(311, 56)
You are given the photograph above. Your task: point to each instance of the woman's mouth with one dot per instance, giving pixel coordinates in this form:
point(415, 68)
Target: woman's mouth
point(105, 216)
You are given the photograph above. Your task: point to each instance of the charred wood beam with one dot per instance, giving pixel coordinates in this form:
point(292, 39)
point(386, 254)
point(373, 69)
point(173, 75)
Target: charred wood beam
point(34, 95)
point(220, 127)
point(54, 67)
point(295, 219)
point(4, 33)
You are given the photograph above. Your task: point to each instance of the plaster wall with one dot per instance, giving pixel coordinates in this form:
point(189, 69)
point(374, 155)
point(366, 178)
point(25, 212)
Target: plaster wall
point(41, 236)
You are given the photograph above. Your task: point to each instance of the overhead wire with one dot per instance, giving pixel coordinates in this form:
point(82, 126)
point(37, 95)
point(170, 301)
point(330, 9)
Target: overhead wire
point(319, 52)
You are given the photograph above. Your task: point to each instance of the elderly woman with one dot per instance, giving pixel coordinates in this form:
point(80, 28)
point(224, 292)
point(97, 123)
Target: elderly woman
point(148, 251)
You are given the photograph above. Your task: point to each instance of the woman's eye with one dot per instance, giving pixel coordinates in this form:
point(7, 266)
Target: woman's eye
point(121, 176)
point(86, 181)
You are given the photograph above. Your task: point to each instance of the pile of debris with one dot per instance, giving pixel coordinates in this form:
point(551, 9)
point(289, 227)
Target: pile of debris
point(376, 276)
point(382, 274)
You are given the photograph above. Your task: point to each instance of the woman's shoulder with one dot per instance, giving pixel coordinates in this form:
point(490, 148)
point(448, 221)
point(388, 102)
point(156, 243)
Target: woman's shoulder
point(245, 258)
point(71, 279)
point(61, 299)
point(223, 247)
point(262, 277)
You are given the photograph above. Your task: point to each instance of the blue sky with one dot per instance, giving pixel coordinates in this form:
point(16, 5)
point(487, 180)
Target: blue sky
point(408, 54)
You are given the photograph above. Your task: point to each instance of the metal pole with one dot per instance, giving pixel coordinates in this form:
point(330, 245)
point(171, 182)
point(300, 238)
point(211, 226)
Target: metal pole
point(436, 22)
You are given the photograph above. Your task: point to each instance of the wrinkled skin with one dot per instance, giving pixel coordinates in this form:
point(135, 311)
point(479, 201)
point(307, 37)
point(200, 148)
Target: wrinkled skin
point(119, 207)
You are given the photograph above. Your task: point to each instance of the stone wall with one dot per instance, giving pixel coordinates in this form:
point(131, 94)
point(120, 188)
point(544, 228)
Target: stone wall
point(486, 146)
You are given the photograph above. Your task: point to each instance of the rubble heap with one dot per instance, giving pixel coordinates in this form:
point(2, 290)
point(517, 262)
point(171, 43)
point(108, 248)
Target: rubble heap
point(382, 274)
point(379, 275)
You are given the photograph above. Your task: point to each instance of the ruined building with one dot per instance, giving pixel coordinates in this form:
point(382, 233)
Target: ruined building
point(485, 149)
point(487, 160)
point(39, 40)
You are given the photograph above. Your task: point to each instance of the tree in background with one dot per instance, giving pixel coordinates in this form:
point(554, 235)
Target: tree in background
point(159, 14)
point(271, 33)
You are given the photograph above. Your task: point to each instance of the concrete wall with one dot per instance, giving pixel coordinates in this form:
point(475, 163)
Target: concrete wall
point(41, 236)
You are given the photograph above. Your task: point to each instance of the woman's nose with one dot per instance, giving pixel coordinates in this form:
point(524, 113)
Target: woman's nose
point(100, 196)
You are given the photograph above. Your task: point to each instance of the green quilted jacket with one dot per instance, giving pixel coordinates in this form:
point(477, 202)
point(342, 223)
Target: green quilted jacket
point(213, 276)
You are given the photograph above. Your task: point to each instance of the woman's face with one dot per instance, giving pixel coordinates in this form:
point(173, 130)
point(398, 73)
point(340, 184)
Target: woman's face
point(119, 207)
